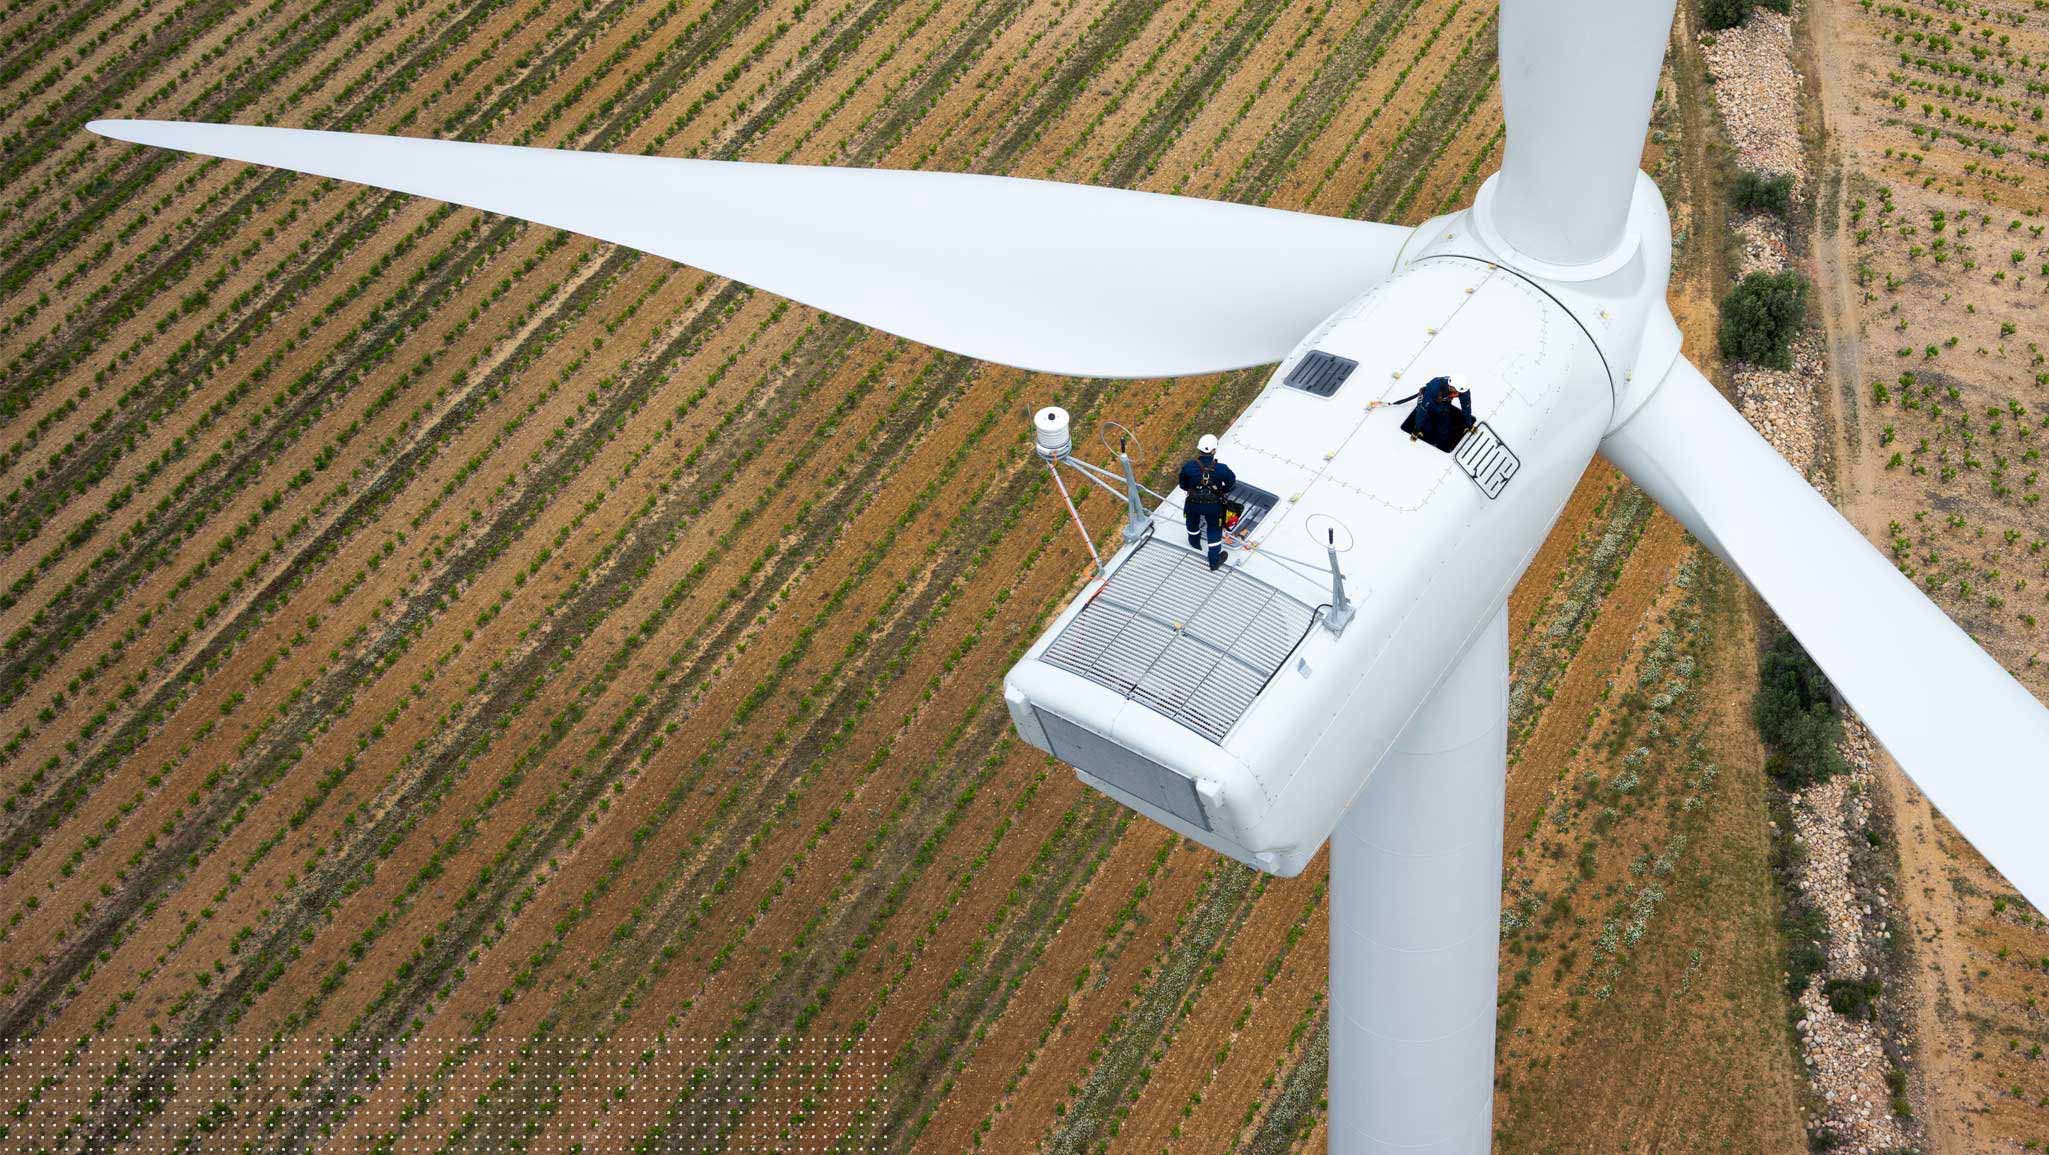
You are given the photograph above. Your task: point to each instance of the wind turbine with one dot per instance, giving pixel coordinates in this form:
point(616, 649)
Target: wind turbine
point(1238, 707)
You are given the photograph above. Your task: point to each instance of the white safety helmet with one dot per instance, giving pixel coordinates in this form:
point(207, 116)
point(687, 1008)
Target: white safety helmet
point(1207, 443)
point(1458, 382)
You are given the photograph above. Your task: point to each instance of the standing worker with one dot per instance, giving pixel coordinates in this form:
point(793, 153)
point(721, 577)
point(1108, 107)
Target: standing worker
point(1207, 482)
point(1443, 413)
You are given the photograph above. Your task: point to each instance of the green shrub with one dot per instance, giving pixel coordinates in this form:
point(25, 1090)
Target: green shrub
point(1803, 928)
point(1722, 13)
point(1719, 14)
point(1796, 717)
point(1757, 192)
point(1851, 998)
point(1803, 962)
point(1761, 316)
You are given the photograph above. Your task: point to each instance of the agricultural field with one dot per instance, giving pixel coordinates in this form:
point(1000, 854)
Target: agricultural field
point(464, 686)
point(1937, 266)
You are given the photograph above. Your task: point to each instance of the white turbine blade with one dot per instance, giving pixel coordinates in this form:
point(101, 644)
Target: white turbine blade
point(1577, 81)
point(1056, 277)
point(1968, 734)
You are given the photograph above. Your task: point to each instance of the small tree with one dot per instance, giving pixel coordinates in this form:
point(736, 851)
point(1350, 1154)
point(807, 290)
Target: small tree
point(1760, 317)
point(1757, 192)
point(1719, 14)
point(1796, 717)
point(1852, 998)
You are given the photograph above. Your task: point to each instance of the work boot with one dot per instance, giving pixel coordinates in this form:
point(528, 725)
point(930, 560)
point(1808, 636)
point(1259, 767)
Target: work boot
point(1216, 560)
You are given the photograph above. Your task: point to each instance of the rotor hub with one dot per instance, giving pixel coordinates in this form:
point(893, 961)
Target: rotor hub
point(1619, 299)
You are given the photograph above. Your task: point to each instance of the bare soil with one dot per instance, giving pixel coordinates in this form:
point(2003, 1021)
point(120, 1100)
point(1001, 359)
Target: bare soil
point(1941, 483)
point(622, 682)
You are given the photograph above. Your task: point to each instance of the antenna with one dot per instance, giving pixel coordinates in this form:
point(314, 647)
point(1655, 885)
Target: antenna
point(1340, 614)
point(1136, 519)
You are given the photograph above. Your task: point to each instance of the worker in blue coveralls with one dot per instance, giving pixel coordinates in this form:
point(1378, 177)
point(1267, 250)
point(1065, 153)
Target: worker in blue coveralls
point(1207, 482)
point(1443, 413)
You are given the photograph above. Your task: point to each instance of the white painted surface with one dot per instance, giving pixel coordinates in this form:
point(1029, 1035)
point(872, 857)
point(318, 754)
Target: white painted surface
point(1415, 915)
point(1961, 727)
point(1432, 562)
point(1577, 81)
point(1051, 429)
point(1063, 278)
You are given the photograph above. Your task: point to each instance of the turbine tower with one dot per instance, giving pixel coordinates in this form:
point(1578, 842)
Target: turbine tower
point(1266, 708)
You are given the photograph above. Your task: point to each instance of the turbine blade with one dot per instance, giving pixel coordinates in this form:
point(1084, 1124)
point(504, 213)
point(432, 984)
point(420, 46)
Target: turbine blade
point(1055, 277)
point(1577, 80)
point(1969, 735)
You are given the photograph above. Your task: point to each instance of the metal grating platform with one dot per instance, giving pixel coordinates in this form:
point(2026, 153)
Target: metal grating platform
point(1193, 645)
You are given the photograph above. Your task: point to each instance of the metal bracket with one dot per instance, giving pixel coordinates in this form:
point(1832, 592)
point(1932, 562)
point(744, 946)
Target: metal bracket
point(1136, 519)
point(1341, 608)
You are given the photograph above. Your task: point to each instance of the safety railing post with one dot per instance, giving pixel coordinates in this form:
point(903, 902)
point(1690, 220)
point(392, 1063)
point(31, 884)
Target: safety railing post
point(1135, 519)
point(1340, 614)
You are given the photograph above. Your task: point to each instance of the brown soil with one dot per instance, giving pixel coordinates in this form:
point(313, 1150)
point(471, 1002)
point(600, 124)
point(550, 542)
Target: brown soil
point(494, 797)
point(1684, 1043)
point(1566, 719)
point(1973, 949)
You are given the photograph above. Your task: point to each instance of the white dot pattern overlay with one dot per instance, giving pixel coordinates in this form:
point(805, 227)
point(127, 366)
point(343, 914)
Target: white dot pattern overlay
point(429, 1094)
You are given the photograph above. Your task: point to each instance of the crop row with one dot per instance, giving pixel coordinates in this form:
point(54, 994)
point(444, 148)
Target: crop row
point(517, 518)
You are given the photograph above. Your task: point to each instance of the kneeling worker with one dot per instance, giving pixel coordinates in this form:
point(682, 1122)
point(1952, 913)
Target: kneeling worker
point(1207, 482)
point(1443, 413)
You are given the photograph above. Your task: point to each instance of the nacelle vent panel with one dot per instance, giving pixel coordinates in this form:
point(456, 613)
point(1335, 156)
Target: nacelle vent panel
point(1320, 373)
point(1127, 770)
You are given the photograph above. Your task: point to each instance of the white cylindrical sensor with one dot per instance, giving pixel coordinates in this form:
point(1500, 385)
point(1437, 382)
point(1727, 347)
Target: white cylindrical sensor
point(1055, 440)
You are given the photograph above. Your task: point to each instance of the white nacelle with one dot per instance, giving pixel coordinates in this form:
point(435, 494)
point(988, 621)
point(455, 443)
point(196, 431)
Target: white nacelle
point(1434, 556)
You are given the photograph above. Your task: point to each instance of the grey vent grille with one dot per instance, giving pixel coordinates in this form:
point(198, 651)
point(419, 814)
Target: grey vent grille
point(1194, 645)
point(1320, 373)
point(1127, 770)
